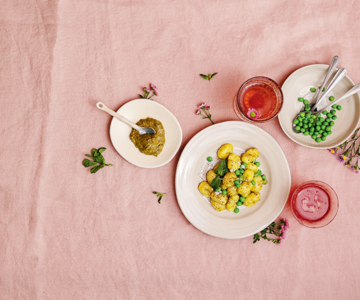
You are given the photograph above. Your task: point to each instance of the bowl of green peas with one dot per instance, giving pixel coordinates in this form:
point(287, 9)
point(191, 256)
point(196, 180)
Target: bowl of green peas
point(321, 131)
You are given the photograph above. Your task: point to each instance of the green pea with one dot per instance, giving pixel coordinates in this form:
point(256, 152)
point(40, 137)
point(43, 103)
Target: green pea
point(313, 116)
point(328, 129)
point(301, 99)
point(321, 131)
point(297, 128)
point(325, 134)
point(338, 107)
point(218, 189)
point(323, 127)
point(302, 129)
point(307, 116)
point(224, 192)
point(326, 123)
point(334, 117)
point(329, 132)
point(329, 115)
point(300, 124)
point(236, 182)
point(313, 137)
point(324, 112)
point(318, 140)
point(306, 133)
point(306, 126)
point(263, 176)
point(313, 90)
point(238, 203)
point(318, 123)
point(332, 123)
point(333, 106)
point(321, 119)
point(209, 158)
point(302, 114)
point(307, 108)
point(331, 98)
point(237, 185)
point(257, 164)
point(318, 128)
point(323, 138)
point(242, 171)
point(333, 111)
point(244, 164)
point(237, 172)
point(305, 121)
point(242, 199)
point(316, 133)
point(253, 182)
point(312, 129)
point(236, 210)
point(306, 102)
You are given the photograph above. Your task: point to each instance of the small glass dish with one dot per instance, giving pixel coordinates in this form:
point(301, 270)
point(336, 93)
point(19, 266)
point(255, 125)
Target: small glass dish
point(332, 199)
point(260, 94)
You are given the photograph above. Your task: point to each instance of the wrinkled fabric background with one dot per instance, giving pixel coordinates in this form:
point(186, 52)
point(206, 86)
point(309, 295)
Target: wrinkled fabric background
point(67, 234)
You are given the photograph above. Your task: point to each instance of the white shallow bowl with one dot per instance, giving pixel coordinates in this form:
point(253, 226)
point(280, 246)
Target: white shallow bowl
point(297, 85)
point(193, 165)
point(141, 109)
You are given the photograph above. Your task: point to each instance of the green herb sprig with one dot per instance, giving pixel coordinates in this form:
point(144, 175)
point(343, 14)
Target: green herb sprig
point(98, 160)
point(208, 77)
point(160, 195)
point(275, 229)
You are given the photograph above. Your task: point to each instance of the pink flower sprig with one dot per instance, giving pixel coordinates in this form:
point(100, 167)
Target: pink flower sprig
point(278, 230)
point(147, 92)
point(350, 152)
point(204, 108)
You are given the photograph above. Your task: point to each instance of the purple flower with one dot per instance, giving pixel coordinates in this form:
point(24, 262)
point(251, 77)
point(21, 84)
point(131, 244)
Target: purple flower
point(153, 86)
point(148, 90)
point(207, 107)
point(253, 114)
point(198, 112)
point(201, 105)
point(144, 88)
point(341, 158)
point(283, 235)
point(333, 150)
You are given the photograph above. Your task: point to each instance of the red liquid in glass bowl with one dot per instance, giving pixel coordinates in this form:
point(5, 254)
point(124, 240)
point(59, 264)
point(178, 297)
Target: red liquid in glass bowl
point(261, 94)
point(314, 204)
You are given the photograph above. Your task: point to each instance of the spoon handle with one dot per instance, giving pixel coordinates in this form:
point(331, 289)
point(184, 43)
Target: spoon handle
point(355, 89)
point(334, 62)
point(104, 108)
point(340, 74)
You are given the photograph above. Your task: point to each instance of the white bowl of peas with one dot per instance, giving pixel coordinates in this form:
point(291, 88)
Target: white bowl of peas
point(330, 129)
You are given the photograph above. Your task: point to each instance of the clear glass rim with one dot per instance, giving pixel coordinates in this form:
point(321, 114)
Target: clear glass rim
point(314, 181)
point(238, 97)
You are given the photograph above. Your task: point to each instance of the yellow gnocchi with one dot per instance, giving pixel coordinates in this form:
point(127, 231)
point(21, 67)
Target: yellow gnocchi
point(210, 176)
point(235, 176)
point(224, 151)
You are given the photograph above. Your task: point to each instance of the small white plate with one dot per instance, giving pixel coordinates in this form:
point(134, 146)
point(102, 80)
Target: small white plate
point(192, 165)
point(297, 85)
point(141, 109)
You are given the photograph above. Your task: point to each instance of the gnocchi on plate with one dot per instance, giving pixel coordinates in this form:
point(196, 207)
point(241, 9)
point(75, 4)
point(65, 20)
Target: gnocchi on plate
point(236, 180)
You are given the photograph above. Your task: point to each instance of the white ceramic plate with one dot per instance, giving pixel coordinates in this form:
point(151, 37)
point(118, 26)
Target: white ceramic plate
point(141, 109)
point(297, 85)
point(193, 165)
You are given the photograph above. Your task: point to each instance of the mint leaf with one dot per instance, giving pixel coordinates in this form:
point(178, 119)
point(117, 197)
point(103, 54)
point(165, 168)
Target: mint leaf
point(97, 168)
point(88, 155)
point(204, 76)
point(215, 183)
point(141, 96)
point(94, 152)
point(99, 158)
point(87, 163)
point(213, 75)
point(101, 150)
point(222, 169)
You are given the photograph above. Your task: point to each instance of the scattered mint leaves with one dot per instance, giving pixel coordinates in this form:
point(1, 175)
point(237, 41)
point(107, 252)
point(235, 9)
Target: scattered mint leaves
point(215, 183)
point(160, 195)
point(98, 160)
point(208, 77)
point(222, 169)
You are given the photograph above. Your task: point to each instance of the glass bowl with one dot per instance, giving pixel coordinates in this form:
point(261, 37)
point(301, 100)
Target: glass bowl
point(331, 211)
point(269, 93)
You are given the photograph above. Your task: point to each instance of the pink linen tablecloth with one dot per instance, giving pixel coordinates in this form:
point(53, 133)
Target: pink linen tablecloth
point(67, 234)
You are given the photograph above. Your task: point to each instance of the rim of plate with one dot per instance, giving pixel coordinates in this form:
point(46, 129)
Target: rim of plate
point(282, 125)
point(125, 156)
point(193, 140)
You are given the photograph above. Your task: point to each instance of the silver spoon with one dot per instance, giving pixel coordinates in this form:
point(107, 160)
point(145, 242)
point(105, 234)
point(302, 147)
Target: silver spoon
point(142, 130)
point(340, 74)
point(334, 62)
point(355, 89)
